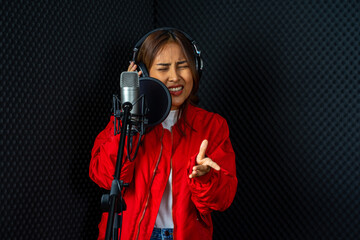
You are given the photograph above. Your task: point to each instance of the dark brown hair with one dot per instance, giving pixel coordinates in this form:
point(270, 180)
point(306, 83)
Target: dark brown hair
point(154, 43)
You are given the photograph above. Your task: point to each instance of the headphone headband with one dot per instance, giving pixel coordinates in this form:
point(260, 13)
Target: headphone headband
point(138, 44)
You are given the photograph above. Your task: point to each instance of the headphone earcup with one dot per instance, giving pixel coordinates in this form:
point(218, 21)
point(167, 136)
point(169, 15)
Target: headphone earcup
point(143, 69)
point(199, 65)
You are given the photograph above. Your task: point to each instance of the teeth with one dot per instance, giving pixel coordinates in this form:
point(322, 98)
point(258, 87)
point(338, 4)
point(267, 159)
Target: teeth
point(175, 89)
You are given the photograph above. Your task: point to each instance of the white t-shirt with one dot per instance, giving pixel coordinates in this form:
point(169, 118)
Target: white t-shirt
point(164, 218)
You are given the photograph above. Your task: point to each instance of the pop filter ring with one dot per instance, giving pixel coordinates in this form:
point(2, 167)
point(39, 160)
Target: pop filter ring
point(155, 107)
point(153, 89)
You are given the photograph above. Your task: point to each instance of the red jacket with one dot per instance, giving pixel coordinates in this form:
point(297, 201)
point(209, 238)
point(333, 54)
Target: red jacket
point(193, 199)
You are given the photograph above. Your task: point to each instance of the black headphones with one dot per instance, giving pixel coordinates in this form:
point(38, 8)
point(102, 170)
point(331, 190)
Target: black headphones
point(198, 60)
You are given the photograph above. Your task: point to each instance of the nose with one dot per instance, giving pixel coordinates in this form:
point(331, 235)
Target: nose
point(173, 74)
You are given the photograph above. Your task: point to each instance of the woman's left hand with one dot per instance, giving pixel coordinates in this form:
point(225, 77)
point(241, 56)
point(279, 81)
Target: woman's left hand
point(204, 163)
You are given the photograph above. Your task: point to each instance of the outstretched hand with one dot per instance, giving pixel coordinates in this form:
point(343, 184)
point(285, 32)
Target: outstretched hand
point(132, 68)
point(204, 164)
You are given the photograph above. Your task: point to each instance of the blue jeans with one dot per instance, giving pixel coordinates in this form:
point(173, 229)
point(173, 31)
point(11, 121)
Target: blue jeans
point(162, 234)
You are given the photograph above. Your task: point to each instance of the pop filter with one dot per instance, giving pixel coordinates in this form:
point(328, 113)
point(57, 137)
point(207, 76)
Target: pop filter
point(157, 99)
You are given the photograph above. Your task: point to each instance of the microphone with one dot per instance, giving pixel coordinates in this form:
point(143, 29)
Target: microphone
point(129, 90)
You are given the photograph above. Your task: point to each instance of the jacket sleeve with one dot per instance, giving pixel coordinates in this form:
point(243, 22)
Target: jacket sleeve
point(103, 158)
point(216, 189)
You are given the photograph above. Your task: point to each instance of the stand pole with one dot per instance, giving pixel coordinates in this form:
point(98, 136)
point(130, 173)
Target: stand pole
point(116, 185)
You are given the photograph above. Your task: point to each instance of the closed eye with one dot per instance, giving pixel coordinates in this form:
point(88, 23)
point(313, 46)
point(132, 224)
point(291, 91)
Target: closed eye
point(182, 64)
point(163, 66)
point(163, 69)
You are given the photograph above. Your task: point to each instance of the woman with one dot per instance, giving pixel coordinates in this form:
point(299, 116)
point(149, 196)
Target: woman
point(185, 167)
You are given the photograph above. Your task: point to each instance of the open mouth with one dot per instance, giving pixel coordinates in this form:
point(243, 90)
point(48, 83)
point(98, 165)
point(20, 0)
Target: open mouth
point(176, 89)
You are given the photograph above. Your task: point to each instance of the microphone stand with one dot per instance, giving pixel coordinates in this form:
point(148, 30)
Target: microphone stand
point(113, 222)
point(113, 202)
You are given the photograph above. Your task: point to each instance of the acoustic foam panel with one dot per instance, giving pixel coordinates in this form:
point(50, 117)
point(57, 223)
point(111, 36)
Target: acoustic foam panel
point(60, 65)
point(285, 74)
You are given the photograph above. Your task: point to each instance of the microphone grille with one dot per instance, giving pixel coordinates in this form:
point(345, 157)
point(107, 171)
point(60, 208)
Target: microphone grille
point(129, 79)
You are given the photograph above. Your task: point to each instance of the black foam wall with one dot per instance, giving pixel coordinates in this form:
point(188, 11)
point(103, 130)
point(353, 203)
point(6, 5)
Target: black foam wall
point(285, 74)
point(60, 65)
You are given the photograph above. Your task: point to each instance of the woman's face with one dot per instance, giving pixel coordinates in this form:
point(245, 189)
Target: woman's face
point(172, 69)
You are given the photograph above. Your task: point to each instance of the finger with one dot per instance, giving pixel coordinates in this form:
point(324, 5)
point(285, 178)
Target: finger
point(202, 150)
point(212, 164)
point(196, 174)
point(133, 68)
point(139, 73)
point(130, 66)
point(200, 172)
point(206, 165)
point(201, 168)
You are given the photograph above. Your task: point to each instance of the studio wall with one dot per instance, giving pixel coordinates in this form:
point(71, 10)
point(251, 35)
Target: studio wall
point(60, 66)
point(285, 75)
